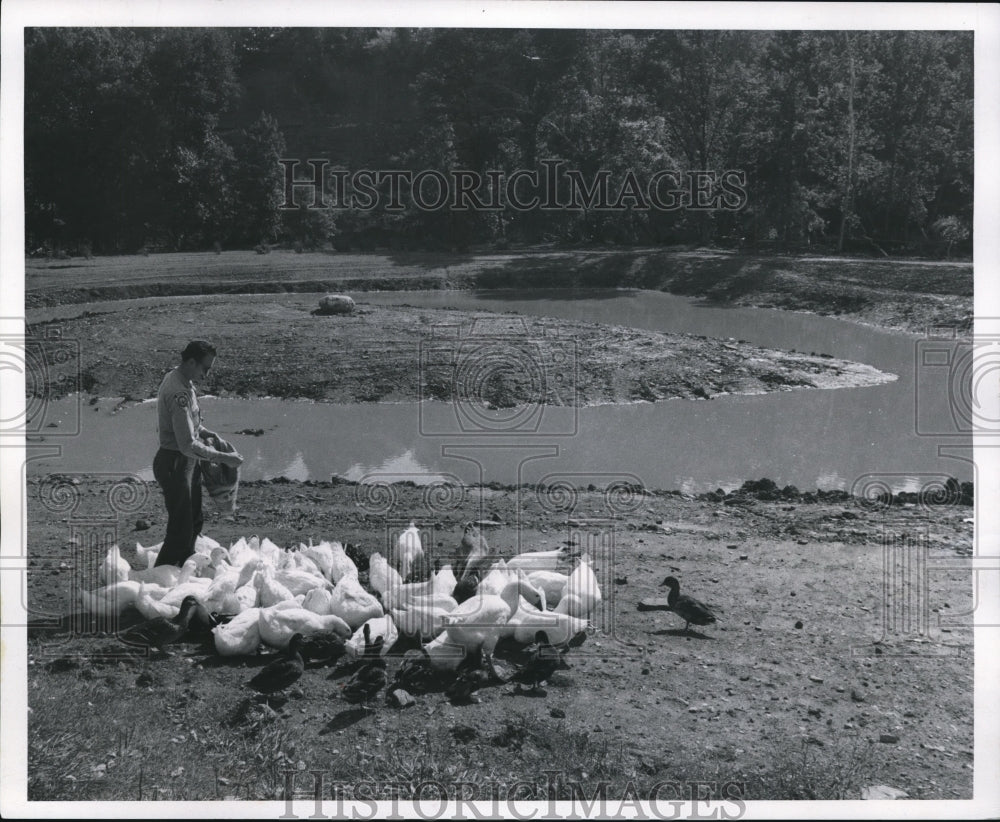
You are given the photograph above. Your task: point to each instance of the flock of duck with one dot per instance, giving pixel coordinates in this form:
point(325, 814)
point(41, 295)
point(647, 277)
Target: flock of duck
point(309, 604)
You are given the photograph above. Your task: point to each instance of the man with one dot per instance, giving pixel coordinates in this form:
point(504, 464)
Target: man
point(182, 445)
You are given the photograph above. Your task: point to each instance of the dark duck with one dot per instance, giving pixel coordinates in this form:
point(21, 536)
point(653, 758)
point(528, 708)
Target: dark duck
point(160, 631)
point(688, 608)
point(282, 673)
point(543, 661)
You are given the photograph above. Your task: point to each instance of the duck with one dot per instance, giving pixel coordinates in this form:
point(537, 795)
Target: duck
point(354, 604)
point(443, 654)
point(383, 578)
point(687, 608)
point(560, 626)
point(469, 678)
point(147, 555)
point(582, 584)
point(300, 581)
point(160, 632)
point(282, 673)
point(271, 590)
point(466, 588)
point(166, 575)
point(544, 660)
point(240, 636)
point(148, 602)
point(111, 599)
point(319, 601)
point(114, 568)
point(479, 622)
point(553, 583)
point(409, 551)
point(359, 644)
point(326, 648)
point(475, 551)
point(414, 675)
point(321, 555)
point(343, 564)
point(424, 620)
point(280, 622)
point(371, 677)
point(540, 560)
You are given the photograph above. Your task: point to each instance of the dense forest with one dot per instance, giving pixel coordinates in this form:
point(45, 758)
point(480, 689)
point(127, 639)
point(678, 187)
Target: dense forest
point(170, 139)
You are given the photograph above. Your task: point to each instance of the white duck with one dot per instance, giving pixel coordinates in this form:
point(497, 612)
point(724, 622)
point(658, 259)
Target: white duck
point(114, 568)
point(552, 583)
point(423, 616)
point(279, 624)
point(147, 602)
point(444, 654)
point(239, 636)
point(147, 556)
point(478, 622)
point(272, 590)
point(383, 578)
point(299, 581)
point(379, 627)
point(582, 585)
point(343, 565)
point(319, 601)
point(408, 551)
point(111, 599)
point(540, 560)
point(354, 604)
point(166, 575)
point(321, 555)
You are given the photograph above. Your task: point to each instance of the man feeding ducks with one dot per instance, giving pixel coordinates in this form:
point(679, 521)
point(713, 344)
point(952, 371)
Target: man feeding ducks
point(183, 442)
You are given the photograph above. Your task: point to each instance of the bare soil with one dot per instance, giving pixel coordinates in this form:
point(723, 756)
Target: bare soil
point(798, 691)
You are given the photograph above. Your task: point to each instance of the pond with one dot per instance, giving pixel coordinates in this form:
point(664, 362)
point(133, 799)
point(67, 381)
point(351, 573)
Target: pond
point(828, 439)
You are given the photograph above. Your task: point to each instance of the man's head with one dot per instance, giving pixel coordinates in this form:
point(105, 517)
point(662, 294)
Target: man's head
point(197, 358)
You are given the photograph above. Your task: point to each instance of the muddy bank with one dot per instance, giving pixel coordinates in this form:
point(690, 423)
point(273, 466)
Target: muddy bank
point(893, 294)
point(278, 347)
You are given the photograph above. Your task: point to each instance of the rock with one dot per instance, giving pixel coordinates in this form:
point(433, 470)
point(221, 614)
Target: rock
point(883, 792)
point(142, 525)
point(798, 624)
point(621, 580)
point(814, 678)
point(653, 605)
point(336, 304)
point(888, 739)
point(557, 713)
point(401, 699)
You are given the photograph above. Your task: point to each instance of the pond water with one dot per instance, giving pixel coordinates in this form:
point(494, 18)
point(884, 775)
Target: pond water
point(808, 438)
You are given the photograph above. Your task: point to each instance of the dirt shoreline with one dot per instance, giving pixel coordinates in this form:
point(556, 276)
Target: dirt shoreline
point(902, 295)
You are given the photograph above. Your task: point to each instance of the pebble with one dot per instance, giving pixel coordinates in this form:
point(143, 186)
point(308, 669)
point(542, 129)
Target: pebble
point(814, 678)
point(889, 739)
point(798, 624)
point(557, 713)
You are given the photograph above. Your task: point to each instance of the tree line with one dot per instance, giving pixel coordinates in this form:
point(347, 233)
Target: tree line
point(854, 141)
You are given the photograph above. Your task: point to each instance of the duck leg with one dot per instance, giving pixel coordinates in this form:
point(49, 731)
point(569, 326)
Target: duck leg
point(491, 668)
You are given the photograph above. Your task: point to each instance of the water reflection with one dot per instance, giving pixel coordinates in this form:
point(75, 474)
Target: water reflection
point(810, 438)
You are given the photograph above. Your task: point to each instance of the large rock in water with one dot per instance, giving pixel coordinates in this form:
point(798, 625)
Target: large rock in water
point(336, 304)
